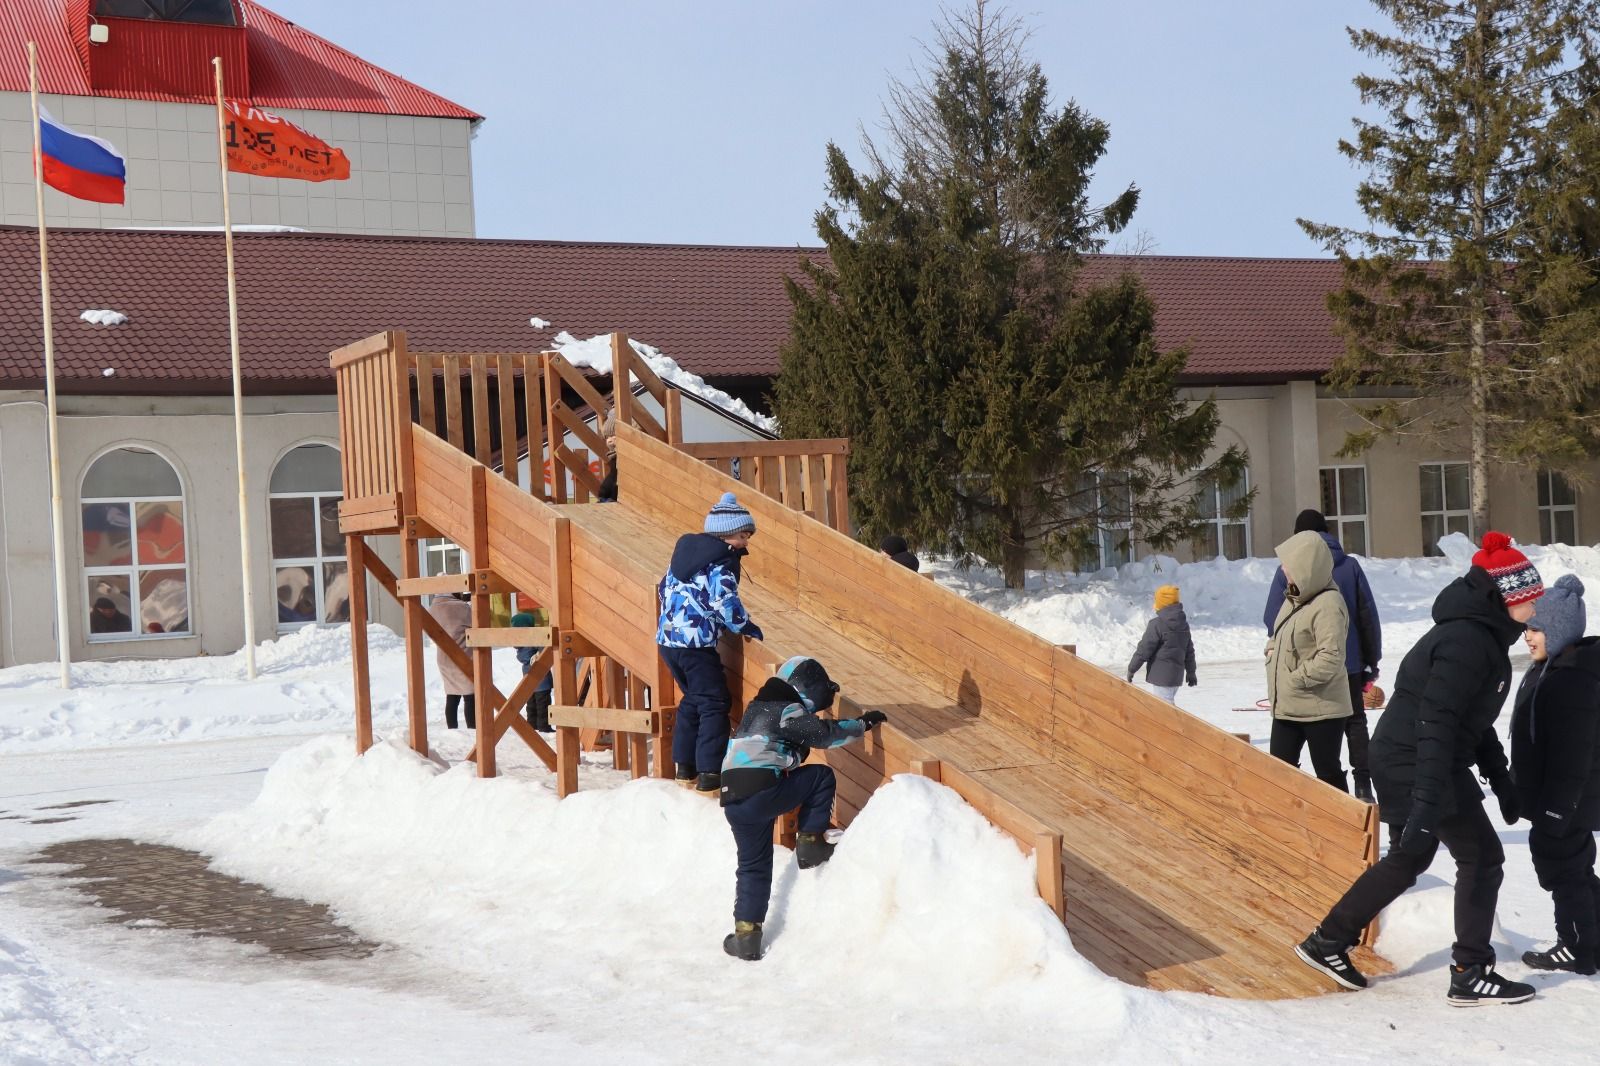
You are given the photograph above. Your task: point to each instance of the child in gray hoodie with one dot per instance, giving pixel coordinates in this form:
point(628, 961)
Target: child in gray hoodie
point(1167, 647)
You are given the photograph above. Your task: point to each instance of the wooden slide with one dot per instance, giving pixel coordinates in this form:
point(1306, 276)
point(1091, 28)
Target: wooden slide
point(1179, 856)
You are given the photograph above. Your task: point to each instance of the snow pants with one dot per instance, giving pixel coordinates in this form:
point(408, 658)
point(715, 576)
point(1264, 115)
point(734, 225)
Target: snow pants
point(1472, 842)
point(811, 789)
point(469, 703)
point(1564, 863)
point(700, 734)
point(1166, 692)
point(1323, 738)
point(1355, 727)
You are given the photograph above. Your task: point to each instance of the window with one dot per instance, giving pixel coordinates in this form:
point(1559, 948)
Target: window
point(1446, 503)
point(308, 563)
point(442, 557)
point(1109, 508)
point(135, 547)
point(1224, 536)
point(1344, 505)
point(205, 12)
point(1558, 509)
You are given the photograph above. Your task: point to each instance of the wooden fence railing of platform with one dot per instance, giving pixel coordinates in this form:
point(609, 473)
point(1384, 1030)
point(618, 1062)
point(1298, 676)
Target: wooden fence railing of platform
point(810, 476)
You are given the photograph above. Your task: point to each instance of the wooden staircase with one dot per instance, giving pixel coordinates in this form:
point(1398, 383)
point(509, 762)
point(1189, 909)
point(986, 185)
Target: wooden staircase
point(1178, 856)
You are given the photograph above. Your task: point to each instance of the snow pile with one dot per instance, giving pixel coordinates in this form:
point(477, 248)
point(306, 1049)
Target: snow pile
point(595, 353)
point(104, 317)
point(1105, 613)
point(924, 902)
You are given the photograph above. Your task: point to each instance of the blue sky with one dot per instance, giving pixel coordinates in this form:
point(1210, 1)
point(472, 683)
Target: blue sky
point(626, 120)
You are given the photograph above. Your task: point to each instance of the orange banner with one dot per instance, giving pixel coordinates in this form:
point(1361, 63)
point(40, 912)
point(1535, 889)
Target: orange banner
point(271, 147)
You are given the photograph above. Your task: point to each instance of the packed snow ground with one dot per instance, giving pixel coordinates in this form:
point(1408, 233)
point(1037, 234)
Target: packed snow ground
point(590, 929)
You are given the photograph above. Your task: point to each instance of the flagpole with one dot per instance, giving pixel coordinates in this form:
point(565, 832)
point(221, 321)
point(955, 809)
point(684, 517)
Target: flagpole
point(57, 536)
point(238, 391)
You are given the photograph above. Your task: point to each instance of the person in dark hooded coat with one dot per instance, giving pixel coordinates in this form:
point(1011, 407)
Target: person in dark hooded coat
point(1167, 647)
point(1555, 762)
point(1438, 725)
point(896, 548)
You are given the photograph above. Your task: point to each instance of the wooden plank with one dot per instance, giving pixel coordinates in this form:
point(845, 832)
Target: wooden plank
point(452, 400)
point(373, 522)
point(674, 417)
point(355, 551)
point(533, 408)
point(512, 637)
point(721, 450)
point(426, 415)
point(506, 393)
point(838, 485)
point(484, 692)
point(811, 472)
point(565, 694)
point(794, 487)
point(1051, 885)
point(616, 719)
point(405, 460)
point(439, 584)
point(552, 398)
point(411, 607)
point(561, 574)
point(361, 349)
point(482, 416)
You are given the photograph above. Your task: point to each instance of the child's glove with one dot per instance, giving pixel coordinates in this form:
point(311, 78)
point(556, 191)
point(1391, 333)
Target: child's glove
point(1193, 681)
point(873, 718)
point(752, 631)
point(1130, 679)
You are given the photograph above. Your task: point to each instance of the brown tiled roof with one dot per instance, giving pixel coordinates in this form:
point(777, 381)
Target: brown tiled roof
point(721, 312)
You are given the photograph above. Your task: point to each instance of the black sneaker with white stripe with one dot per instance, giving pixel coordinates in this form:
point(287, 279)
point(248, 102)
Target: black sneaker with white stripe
point(1330, 957)
point(1478, 986)
point(1559, 957)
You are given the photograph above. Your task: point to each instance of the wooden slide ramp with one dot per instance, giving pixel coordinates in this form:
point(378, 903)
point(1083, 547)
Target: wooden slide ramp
point(1187, 859)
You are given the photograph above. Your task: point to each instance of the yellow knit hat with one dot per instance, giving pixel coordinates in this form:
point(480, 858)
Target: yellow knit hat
point(1166, 596)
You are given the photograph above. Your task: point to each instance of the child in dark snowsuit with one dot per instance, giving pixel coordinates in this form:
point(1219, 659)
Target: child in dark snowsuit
point(1438, 726)
point(762, 777)
point(538, 709)
point(1555, 762)
point(1167, 647)
point(699, 602)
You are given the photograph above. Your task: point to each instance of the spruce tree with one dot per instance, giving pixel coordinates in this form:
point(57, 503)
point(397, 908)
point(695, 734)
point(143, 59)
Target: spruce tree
point(998, 405)
point(1469, 305)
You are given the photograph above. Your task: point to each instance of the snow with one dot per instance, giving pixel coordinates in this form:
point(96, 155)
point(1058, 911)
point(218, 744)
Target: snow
point(595, 353)
point(539, 323)
point(104, 317)
point(588, 930)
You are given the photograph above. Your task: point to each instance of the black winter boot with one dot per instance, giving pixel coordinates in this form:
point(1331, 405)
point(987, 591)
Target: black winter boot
point(744, 942)
point(539, 712)
point(812, 849)
point(1364, 787)
point(1561, 957)
point(709, 784)
point(1479, 985)
point(684, 776)
point(1332, 958)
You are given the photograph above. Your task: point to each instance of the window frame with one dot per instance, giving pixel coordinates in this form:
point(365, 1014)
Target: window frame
point(1432, 551)
point(134, 569)
point(1547, 512)
point(1218, 522)
point(1337, 519)
point(1102, 527)
point(316, 563)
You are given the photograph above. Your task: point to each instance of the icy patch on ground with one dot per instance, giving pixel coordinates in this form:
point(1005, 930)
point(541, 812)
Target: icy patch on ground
point(595, 353)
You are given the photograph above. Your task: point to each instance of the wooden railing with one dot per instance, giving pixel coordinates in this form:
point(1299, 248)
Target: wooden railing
point(374, 429)
point(810, 476)
point(627, 365)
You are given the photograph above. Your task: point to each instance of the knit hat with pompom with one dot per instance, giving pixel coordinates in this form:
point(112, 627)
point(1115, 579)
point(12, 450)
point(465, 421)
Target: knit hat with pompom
point(1513, 575)
point(1560, 615)
point(727, 517)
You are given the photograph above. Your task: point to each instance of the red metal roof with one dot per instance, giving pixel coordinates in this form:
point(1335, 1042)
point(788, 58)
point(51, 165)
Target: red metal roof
point(721, 312)
point(287, 66)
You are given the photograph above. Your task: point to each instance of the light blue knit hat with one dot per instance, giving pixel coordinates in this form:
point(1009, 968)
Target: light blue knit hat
point(1560, 615)
point(728, 517)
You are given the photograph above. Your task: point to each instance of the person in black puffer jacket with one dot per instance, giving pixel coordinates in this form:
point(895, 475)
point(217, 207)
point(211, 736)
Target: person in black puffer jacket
point(763, 777)
point(1439, 724)
point(1555, 762)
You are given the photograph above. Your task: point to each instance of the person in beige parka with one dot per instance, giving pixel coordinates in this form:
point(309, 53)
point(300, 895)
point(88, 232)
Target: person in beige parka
point(1306, 682)
point(454, 614)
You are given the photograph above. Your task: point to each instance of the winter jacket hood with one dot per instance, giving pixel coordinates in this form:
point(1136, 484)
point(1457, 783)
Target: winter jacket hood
point(1474, 598)
point(695, 552)
point(776, 735)
point(1555, 740)
point(1306, 679)
point(1168, 648)
point(1364, 645)
point(1307, 559)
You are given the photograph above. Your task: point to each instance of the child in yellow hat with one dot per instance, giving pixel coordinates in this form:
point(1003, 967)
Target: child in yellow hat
point(1167, 649)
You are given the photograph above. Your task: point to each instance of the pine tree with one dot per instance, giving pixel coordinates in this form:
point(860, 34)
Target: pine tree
point(998, 405)
point(1469, 305)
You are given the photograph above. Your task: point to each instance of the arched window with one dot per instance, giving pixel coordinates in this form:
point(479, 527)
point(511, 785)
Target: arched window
point(135, 548)
point(313, 580)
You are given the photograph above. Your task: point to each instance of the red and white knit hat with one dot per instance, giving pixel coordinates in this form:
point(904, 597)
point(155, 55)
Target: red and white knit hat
point(1513, 575)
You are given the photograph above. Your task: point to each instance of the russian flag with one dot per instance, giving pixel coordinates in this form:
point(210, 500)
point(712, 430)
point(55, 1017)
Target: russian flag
point(80, 165)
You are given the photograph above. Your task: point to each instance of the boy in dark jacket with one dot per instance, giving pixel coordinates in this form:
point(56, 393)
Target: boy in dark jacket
point(1167, 647)
point(1439, 723)
point(762, 778)
point(700, 602)
point(538, 708)
point(1363, 649)
point(1555, 762)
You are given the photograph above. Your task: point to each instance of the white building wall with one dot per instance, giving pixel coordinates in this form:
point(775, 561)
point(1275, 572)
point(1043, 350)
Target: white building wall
point(194, 434)
point(408, 176)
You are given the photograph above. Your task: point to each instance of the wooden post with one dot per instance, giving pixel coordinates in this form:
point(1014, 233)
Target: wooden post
point(355, 550)
point(621, 382)
point(639, 756)
point(1047, 858)
point(483, 690)
point(928, 768)
point(674, 417)
point(839, 488)
point(416, 682)
point(567, 742)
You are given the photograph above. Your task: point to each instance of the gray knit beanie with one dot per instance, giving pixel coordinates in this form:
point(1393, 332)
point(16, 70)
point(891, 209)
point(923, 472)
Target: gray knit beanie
point(1560, 615)
point(727, 517)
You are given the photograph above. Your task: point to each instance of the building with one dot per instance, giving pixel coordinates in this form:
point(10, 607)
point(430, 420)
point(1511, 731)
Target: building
point(138, 73)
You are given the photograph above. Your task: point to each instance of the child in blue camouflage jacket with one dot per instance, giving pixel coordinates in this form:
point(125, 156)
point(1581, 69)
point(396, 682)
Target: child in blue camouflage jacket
point(699, 602)
point(762, 777)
